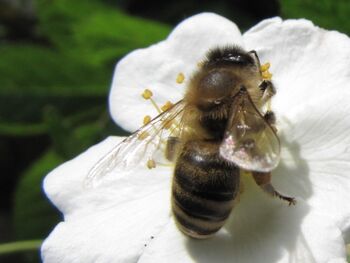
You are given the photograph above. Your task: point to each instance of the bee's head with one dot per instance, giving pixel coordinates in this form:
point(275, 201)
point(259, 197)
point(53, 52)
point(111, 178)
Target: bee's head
point(230, 56)
point(222, 74)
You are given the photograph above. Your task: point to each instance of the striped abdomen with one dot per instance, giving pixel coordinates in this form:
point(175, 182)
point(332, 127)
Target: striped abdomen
point(204, 189)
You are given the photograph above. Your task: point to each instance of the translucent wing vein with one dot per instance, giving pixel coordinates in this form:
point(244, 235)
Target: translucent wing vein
point(145, 144)
point(249, 141)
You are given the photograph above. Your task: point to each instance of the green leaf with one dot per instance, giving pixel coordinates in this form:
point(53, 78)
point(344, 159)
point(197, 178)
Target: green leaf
point(32, 78)
point(28, 70)
point(109, 34)
point(72, 135)
point(328, 14)
point(33, 215)
point(73, 73)
point(20, 129)
point(101, 31)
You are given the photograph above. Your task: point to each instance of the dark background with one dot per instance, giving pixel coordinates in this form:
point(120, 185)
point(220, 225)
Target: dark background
point(56, 63)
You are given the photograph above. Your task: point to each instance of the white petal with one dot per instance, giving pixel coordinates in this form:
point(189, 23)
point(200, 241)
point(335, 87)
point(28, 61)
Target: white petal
point(111, 223)
point(114, 222)
point(261, 229)
point(306, 61)
point(157, 67)
point(318, 137)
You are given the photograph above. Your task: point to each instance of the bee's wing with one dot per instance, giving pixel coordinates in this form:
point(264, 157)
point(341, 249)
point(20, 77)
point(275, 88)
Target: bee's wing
point(249, 141)
point(142, 145)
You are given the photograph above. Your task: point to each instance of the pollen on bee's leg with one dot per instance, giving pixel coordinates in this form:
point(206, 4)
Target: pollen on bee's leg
point(265, 67)
point(151, 164)
point(266, 75)
point(180, 78)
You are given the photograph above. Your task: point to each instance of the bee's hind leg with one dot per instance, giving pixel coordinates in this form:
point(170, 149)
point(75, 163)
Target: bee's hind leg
point(264, 181)
point(268, 90)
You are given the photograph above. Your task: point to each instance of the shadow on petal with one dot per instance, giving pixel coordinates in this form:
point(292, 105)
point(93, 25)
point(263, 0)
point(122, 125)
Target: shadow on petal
point(292, 174)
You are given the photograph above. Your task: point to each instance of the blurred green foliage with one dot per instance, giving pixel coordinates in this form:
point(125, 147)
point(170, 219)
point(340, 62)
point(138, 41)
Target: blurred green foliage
point(62, 87)
point(329, 14)
point(58, 87)
point(29, 201)
point(83, 40)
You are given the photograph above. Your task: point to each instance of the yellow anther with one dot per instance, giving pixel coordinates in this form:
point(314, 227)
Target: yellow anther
point(180, 78)
point(146, 119)
point(265, 67)
point(147, 94)
point(266, 75)
point(167, 106)
point(151, 164)
point(143, 135)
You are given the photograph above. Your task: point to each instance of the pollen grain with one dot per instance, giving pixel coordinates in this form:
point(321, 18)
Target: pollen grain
point(151, 164)
point(146, 119)
point(180, 78)
point(147, 94)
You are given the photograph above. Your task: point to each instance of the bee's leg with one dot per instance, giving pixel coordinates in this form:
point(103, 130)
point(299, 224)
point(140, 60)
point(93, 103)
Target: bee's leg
point(264, 181)
point(172, 148)
point(268, 90)
point(270, 118)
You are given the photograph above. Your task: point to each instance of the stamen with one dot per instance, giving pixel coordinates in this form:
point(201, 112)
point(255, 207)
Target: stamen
point(167, 106)
point(146, 119)
point(151, 164)
point(147, 94)
point(180, 78)
point(155, 105)
point(265, 67)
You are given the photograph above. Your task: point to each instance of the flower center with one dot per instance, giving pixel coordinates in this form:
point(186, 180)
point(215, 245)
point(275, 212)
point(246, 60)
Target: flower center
point(155, 131)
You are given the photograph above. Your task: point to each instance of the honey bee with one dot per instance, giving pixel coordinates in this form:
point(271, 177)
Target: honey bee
point(223, 125)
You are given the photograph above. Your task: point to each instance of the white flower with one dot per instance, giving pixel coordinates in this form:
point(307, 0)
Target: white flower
point(128, 218)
